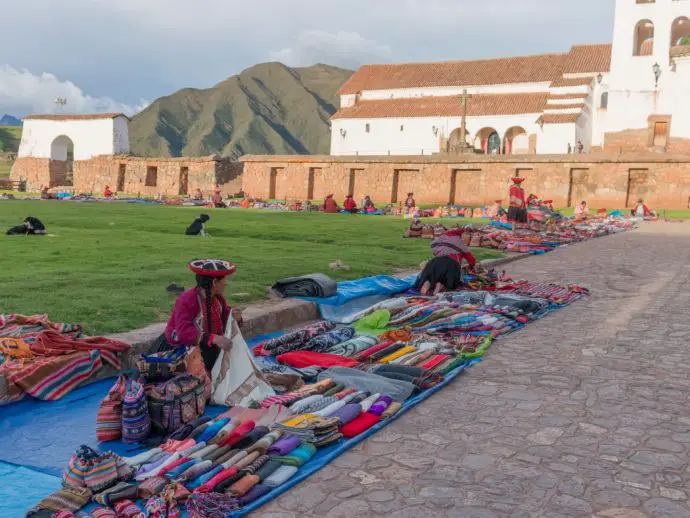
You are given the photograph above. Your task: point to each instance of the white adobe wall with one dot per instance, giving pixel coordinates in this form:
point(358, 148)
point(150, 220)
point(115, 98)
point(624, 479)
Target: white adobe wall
point(554, 138)
point(633, 97)
point(405, 93)
point(90, 137)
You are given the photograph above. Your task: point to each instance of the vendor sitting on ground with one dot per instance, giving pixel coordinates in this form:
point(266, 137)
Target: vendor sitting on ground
point(107, 193)
point(201, 313)
point(444, 271)
point(198, 195)
point(533, 201)
point(350, 205)
point(548, 204)
point(198, 228)
point(218, 197)
point(31, 226)
point(641, 210)
point(582, 211)
point(330, 205)
point(496, 211)
point(410, 203)
point(368, 205)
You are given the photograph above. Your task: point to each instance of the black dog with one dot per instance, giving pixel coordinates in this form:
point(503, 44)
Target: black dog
point(197, 227)
point(31, 225)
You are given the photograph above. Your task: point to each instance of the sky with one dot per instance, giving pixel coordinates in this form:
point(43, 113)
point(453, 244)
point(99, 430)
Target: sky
point(120, 55)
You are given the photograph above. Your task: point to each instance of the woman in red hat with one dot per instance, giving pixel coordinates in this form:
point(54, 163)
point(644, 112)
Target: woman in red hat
point(496, 211)
point(517, 212)
point(202, 313)
point(330, 205)
point(350, 204)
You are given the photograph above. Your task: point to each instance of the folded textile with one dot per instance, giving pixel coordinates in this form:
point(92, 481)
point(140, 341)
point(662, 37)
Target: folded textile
point(151, 487)
point(360, 424)
point(299, 456)
point(211, 505)
point(347, 413)
point(385, 352)
point(199, 429)
point(293, 340)
point(392, 409)
point(263, 444)
point(396, 335)
point(285, 444)
point(142, 458)
point(371, 350)
point(268, 468)
point(121, 491)
point(192, 449)
point(102, 512)
point(373, 324)
point(232, 457)
point(255, 493)
point(128, 509)
point(353, 346)
point(239, 432)
point(319, 405)
point(195, 471)
point(280, 476)
point(186, 430)
point(253, 436)
point(380, 406)
point(399, 353)
point(369, 401)
point(67, 499)
point(311, 428)
point(369, 382)
point(219, 477)
point(248, 460)
point(243, 485)
point(309, 358)
point(284, 382)
point(207, 449)
point(315, 285)
point(331, 338)
point(283, 399)
point(210, 432)
point(202, 479)
point(439, 358)
point(403, 369)
point(179, 462)
point(296, 407)
point(335, 389)
point(330, 409)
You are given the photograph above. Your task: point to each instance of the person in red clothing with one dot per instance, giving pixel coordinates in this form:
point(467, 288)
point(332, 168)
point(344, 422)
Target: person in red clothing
point(517, 212)
point(641, 210)
point(107, 193)
point(201, 314)
point(350, 204)
point(444, 271)
point(330, 205)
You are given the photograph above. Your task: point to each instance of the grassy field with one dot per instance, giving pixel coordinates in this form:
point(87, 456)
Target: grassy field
point(107, 265)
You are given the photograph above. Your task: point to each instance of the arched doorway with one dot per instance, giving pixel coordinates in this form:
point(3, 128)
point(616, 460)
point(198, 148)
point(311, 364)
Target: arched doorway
point(644, 38)
point(515, 141)
point(454, 140)
point(488, 141)
point(62, 161)
point(680, 31)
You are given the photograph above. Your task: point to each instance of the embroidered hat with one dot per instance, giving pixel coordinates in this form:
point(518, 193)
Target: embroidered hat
point(548, 201)
point(212, 267)
point(517, 179)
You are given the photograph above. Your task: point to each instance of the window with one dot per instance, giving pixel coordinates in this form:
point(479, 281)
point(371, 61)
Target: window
point(402, 127)
point(366, 127)
point(151, 176)
point(604, 101)
point(644, 38)
point(680, 31)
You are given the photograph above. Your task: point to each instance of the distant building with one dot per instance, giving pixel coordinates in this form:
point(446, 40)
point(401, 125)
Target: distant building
point(631, 95)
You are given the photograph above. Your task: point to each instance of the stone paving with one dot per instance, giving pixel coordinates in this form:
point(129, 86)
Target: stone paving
point(584, 413)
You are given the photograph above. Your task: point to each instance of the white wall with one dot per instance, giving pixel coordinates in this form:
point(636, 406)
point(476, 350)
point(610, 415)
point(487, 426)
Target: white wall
point(400, 93)
point(90, 137)
point(417, 137)
point(554, 138)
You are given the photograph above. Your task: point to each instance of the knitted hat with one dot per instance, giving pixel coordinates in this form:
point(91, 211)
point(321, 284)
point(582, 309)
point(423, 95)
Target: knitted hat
point(212, 267)
point(103, 512)
point(517, 180)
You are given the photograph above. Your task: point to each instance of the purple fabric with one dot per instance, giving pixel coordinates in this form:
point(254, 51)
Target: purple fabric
point(347, 413)
point(380, 406)
point(285, 445)
point(150, 467)
point(257, 491)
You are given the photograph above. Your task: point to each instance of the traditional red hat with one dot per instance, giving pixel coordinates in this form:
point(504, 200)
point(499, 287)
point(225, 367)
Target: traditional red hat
point(517, 179)
point(410, 193)
point(212, 267)
point(548, 201)
point(498, 201)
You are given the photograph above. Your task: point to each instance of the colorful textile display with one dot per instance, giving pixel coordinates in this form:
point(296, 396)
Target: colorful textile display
point(309, 359)
point(292, 341)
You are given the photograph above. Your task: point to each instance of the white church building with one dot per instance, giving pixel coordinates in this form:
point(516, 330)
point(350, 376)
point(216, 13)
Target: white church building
point(629, 95)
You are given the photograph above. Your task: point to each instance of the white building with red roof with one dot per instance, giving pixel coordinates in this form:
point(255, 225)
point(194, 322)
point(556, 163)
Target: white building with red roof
point(533, 104)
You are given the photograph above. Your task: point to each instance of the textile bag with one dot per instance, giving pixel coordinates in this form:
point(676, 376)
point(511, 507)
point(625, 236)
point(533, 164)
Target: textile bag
point(196, 367)
point(176, 402)
point(236, 380)
point(109, 416)
point(161, 366)
point(136, 424)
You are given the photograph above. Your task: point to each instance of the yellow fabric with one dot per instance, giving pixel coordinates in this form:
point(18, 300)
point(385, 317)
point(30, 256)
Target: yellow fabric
point(15, 348)
point(296, 421)
point(397, 354)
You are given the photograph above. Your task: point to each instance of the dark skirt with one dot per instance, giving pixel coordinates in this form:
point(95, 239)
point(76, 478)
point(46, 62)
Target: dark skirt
point(517, 215)
point(442, 270)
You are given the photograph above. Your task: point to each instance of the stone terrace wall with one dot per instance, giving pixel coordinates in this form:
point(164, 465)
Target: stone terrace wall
point(605, 180)
point(39, 172)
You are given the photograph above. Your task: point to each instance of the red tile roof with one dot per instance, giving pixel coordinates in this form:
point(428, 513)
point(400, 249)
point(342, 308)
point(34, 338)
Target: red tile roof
point(564, 106)
point(74, 117)
point(525, 69)
point(446, 106)
point(588, 59)
point(577, 81)
point(559, 118)
point(560, 97)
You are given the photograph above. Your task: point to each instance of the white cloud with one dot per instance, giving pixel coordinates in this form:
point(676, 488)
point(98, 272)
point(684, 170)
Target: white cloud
point(346, 49)
point(22, 93)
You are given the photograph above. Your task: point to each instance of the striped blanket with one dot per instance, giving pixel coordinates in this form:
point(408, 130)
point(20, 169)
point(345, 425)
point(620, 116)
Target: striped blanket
point(47, 360)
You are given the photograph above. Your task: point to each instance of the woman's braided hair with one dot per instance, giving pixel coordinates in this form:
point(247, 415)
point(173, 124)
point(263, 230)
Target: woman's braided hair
point(206, 283)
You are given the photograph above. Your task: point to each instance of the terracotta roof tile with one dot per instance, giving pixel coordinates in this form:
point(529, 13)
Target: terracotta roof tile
point(525, 69)
point(564, 106)
point(446, 106)
point(577, 81)
point(559, 118)
point(588, 59)
point(74, 117)
point(560, 97)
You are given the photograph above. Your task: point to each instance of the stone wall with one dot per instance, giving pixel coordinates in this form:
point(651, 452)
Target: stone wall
point(133, 175)
point(628, 141)
point(605, 180)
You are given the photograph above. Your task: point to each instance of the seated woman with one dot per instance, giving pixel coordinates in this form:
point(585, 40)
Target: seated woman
point(107, 193)
point(641, 210)
point(496, 211)
point(218, 198)
point(444, 271)
point(330, 205)
point(198, 228)
point(582, 211)
point(198, 195)
point(201, 314)
point(350, 205)
point(368, 205)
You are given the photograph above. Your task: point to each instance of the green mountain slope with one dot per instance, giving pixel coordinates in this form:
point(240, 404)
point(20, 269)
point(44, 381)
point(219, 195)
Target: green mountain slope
point(9, 138)
point(266, 109)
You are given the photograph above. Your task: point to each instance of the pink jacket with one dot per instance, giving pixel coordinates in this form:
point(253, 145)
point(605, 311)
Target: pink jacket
point(186, 326)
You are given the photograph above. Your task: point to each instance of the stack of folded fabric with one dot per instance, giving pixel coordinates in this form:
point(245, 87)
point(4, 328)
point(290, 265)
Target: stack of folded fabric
point(319, 431)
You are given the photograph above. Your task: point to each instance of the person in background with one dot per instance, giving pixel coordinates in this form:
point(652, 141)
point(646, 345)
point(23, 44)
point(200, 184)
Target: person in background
point(350, 204)
point(580, 146)
point(496, 211)
point(570, 148)
point(107, 193)
point(517, 212)
point(218, 197)
point(582, 211)
point(330, 205)
point(198, 195)
point(444, 271)
point(410, 203)
point(198, 228)
point(368, 205)
point(548, 204)
point(641, 210)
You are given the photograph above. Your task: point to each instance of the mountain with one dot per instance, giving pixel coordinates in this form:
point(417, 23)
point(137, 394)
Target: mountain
point(8, 120)
point(267, 109)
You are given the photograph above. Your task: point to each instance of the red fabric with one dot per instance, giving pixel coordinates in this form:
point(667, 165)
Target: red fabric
point(173, 465)
point(330, 205)
point(472, 260)
point(517, 197)
point(433, 362)
point(359, 424)
point(350, 204)
point(53, 343)
point(182, 329)
point(237, 434)
point(107, 193)
point(301, 359)
point(372, 350)
point(220, 477)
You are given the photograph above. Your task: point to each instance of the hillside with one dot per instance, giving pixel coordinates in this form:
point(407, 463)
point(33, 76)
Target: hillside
point(268, 108)
point(9, 138)
point(9, 120)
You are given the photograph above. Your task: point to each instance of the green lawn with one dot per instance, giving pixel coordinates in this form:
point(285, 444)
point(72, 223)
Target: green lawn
point(107, 265)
